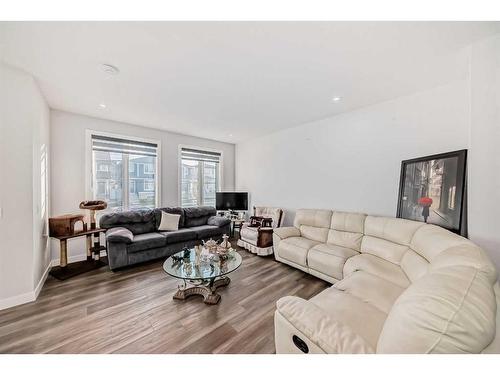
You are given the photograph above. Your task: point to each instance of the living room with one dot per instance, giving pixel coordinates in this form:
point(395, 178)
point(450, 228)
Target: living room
point(249, 186)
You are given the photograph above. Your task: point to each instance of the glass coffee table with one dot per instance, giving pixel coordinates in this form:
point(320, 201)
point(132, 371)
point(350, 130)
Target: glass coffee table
point(204, 276)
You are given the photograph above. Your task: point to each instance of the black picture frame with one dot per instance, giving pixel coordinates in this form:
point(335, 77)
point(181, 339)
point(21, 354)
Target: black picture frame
point(423, 174)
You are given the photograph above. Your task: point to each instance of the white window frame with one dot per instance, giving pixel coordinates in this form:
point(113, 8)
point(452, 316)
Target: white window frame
point(90, 173)
point(104, 170)
point(179, 168)
point(144, 169)
point(148, 181)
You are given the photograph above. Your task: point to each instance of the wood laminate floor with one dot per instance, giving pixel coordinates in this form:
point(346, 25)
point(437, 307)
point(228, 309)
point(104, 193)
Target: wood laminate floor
point(132, 311)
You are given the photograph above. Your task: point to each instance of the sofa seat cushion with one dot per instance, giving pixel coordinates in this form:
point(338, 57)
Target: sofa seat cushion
point(206, 231)
point(146, 241)
point(329, 259)
point(363, 318)
point(374, 265)
point(181, 235)
point(250, 234)
point(371, 289)
point(295, 249)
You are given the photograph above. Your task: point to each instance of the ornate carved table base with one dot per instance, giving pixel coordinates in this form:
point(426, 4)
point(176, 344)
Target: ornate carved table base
point(207, 289)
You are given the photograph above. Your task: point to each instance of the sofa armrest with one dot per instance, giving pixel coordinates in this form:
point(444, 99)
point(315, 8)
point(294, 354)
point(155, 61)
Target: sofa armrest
point(119, 234)
point(218, 221)
point(285, 232)
point(317, 327)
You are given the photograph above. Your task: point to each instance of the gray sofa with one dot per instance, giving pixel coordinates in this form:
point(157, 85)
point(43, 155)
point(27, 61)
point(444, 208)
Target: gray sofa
point(132, 237)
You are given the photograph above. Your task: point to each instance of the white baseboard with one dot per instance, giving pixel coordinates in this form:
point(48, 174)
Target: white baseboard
point(33, 295)
point(26, 297)
point(17, 300)
point(42, 280)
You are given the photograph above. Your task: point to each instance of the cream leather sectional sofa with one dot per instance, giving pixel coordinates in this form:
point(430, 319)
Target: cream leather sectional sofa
point(399, 286)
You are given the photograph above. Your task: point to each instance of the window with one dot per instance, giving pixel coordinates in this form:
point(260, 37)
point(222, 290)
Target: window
point(122, 186)
point(149, 185)
point(200, 175)
point(132, 187)
point(101, 167)
point(149, 168)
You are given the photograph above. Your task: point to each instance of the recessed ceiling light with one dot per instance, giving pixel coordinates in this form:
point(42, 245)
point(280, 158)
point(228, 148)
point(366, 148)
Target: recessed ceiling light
point(110, 69)
point(102, 105)
point(230, 135)
point(336, 99)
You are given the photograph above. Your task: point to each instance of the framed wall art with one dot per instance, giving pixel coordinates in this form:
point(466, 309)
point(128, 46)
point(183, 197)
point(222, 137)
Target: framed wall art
point(432, 190)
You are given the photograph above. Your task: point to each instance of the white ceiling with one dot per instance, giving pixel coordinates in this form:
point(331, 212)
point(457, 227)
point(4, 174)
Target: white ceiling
point(231, 81)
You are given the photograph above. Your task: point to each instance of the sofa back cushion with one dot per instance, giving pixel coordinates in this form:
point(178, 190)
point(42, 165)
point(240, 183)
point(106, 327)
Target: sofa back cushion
point(388, 238)
point(346, 229)
point(138, 222)
point(450, 306)
point(274, 213)
point(450, 309)
point(427, 245)
point(169, 210)
point(197, 216)
point(313, 224)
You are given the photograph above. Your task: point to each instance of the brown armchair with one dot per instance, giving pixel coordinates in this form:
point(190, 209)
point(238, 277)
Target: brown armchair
point(257, 234)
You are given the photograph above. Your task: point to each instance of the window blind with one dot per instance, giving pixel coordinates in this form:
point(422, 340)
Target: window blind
point(123, 146)
point(199, 155)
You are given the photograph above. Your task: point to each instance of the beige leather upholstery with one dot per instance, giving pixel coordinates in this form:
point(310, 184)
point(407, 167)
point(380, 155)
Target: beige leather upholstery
point(377, 266)
point(346, 230)
point(404, 287)
point(338, 236)
point(295, 249)
point(313, 224)
point(364, 319)
point(329, 259)
point(330, 335)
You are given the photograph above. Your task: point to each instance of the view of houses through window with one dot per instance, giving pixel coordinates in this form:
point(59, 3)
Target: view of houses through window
point(200, 177)
point(124, 173)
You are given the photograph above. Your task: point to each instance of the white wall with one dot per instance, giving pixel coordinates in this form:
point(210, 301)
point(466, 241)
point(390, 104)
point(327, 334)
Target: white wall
point(352, 161)
point(484, 155)
point(68, 164)
point(24, 119)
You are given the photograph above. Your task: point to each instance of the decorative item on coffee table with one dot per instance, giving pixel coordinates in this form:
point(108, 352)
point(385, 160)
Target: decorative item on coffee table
point(205, 269)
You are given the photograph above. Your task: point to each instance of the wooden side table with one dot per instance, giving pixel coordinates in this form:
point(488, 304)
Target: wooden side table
point(64, 270)
point(236, 223)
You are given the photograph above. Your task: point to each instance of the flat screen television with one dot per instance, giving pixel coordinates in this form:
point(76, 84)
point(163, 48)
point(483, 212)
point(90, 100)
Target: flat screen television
point(231, 201)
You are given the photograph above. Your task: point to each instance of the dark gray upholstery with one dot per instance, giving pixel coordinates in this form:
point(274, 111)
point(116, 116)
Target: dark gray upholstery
point(133, 237)
point(138, 222)
point(184, 234)
point(119, 234)
point(218, 221)
point(206, 231)
point(196, 216)
point(146, 241)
